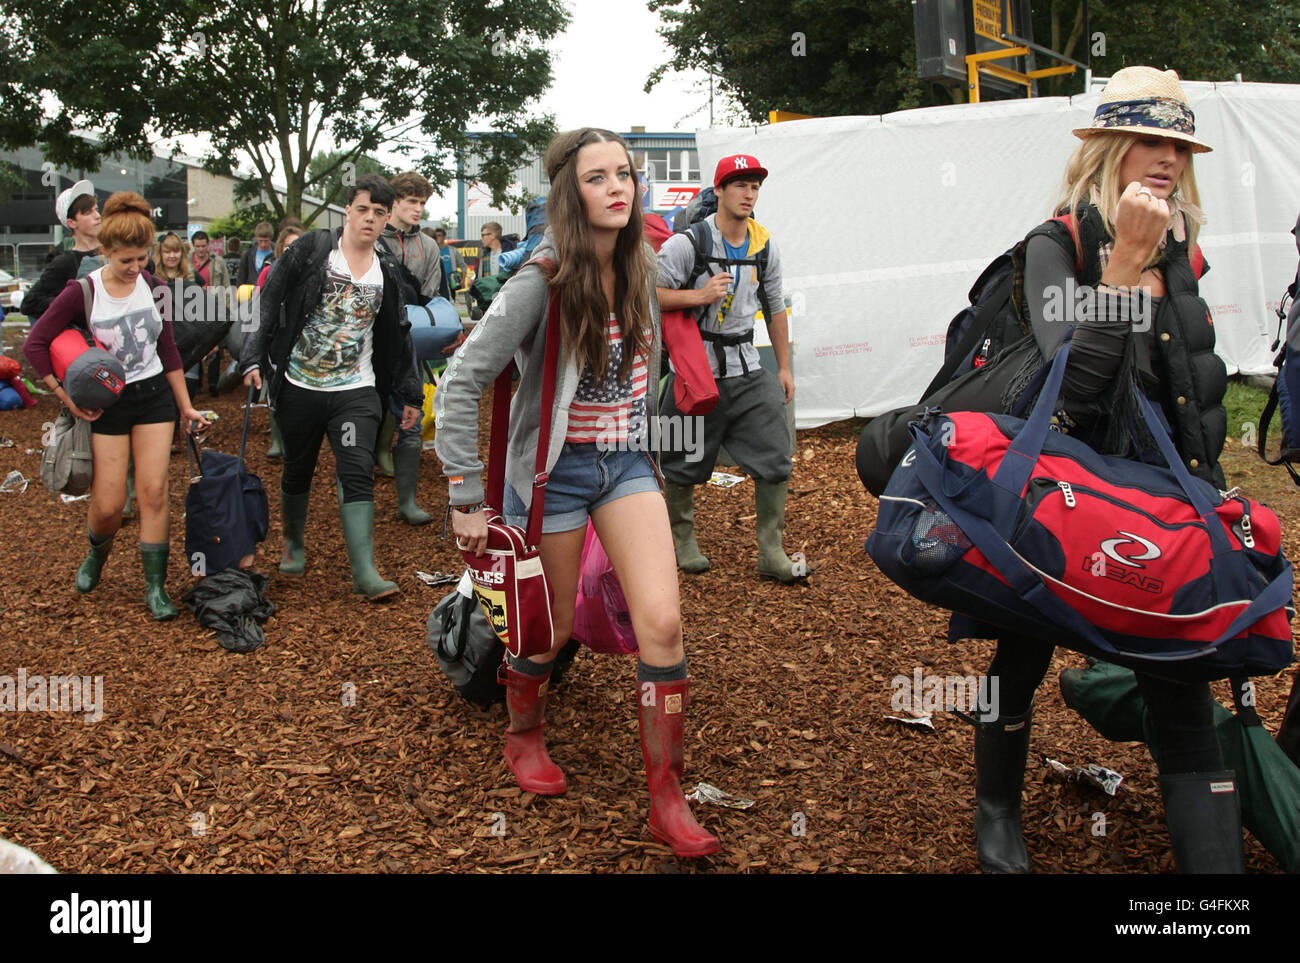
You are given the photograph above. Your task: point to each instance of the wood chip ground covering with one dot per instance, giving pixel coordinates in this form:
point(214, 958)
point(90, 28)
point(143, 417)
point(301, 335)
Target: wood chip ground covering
point(209, 761)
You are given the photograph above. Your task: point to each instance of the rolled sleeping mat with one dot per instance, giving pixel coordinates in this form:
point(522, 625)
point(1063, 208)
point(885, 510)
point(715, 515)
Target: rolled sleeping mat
point(91, 376)
point(433, 327)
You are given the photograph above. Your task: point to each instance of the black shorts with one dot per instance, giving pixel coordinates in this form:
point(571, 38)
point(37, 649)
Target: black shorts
point(145, 402)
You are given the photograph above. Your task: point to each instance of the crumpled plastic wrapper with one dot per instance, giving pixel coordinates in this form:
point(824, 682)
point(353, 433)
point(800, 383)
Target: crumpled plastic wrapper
point(1099, 777)
point(15, 859)
point(6, 442)
point(724, 479)
point(437, 578)
point(706, 793)
point(917, 722)
point(67, 499)
point(14, 483)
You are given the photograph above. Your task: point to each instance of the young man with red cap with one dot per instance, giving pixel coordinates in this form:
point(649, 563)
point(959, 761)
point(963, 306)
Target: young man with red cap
point(726, 269)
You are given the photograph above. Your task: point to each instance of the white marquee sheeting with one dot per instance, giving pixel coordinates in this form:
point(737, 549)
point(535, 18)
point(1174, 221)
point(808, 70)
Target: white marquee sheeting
point(884, 222)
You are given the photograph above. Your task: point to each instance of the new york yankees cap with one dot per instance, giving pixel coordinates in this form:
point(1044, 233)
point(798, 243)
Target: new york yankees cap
point(737, 165)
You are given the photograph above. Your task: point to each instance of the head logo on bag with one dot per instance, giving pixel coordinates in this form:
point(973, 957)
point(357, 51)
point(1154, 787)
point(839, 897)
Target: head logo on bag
point(1111, 547)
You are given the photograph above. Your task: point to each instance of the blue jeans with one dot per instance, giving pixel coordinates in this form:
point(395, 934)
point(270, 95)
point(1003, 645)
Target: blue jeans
point(582, 480)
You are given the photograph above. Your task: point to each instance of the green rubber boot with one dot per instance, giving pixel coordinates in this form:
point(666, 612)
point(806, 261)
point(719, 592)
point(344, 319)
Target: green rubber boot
point(293, 525)
point(406, 463)
point(681, 518)
point(277, 440)
point(769, 499)
point(153, 560)
point(128, 510)
point(359, 533)
point(384, 446)
point(88, 574)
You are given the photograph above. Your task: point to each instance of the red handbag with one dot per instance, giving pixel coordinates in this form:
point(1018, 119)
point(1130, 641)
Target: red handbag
point(508, 578)
point(695, 392)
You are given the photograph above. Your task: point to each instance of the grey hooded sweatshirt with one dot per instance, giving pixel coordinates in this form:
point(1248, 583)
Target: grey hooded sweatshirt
point(514, 328)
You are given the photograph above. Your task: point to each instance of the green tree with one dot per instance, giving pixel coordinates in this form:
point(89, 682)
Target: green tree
point(271, 83)
point(241, 222)
point(832, 57)
point(334, 170)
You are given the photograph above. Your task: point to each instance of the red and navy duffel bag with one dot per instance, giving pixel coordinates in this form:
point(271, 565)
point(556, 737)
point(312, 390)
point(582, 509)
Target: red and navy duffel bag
point(1031, 531)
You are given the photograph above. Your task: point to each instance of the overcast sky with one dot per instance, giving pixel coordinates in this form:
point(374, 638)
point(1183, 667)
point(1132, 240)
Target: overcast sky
point(600, 67)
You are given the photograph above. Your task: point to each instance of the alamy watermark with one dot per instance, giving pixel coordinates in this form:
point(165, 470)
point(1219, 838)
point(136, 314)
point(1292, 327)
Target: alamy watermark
point(1068, 303)
point(683, 433)
point(53, 693)
point(928, 693)
point(208, 305)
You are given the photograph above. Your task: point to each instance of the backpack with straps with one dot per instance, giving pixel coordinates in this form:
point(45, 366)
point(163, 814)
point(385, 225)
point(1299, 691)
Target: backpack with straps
point(701, 235)
point(1284, 396)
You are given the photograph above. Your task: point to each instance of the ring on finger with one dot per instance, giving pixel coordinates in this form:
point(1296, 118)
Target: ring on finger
point(1146, 191)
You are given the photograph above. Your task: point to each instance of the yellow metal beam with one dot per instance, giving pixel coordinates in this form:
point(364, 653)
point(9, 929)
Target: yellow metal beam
point(1052, 71)
point(983, 63)
point(780, 116)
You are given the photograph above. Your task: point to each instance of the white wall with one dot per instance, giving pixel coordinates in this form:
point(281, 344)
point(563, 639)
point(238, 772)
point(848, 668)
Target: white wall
point(884, 222)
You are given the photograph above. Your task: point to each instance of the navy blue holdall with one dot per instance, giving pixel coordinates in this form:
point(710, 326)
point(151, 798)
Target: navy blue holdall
point(1031, 531)
point(226, 512)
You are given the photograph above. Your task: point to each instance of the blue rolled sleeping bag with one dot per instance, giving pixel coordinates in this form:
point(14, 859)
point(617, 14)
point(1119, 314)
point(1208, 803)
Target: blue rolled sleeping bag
point(433, 327)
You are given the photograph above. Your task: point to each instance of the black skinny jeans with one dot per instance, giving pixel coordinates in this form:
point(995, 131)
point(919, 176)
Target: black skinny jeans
point(351, 420)
point(1181, 713)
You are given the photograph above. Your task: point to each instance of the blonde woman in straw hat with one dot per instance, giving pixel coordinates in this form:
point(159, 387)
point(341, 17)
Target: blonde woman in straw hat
point(1130, 247)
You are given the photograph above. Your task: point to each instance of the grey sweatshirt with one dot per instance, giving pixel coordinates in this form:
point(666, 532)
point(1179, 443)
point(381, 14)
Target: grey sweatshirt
point(514, 327)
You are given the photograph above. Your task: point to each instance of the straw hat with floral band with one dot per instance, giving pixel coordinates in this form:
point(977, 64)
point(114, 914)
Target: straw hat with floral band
point(1143, 100)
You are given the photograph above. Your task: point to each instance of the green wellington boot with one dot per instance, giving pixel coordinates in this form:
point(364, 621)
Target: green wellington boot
point(769, 500)
point(277, 440)
point(384, 446)
point(359, 533)
point(154, 562)
point(293, 526)
point(88, 574)
point(128, 510)
point(681, 518)
point(406, 465)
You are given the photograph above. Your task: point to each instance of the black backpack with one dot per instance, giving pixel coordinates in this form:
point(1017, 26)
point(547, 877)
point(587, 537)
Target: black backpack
point(991, 322)
point(470, 654)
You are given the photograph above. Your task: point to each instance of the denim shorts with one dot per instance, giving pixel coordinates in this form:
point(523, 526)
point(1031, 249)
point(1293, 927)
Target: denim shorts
point(582, 480)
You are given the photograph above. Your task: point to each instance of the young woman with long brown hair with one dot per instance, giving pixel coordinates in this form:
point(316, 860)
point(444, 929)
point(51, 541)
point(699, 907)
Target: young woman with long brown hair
point(605, 402)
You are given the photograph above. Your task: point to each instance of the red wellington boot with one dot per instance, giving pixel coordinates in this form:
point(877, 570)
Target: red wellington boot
point(525, 747)
point(662, 709)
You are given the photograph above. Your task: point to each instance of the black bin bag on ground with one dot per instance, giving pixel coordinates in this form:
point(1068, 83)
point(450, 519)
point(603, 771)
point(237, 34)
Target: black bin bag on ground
point(226, 511)
point(233, 604)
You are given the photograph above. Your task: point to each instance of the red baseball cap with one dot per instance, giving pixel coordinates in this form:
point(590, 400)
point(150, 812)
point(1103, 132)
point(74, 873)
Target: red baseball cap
point(737, 165)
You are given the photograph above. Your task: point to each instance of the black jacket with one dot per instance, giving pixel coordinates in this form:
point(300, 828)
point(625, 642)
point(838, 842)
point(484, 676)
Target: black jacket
point(59, 270)
point(295, 289)
point(1172, 357)
point(248, 270)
